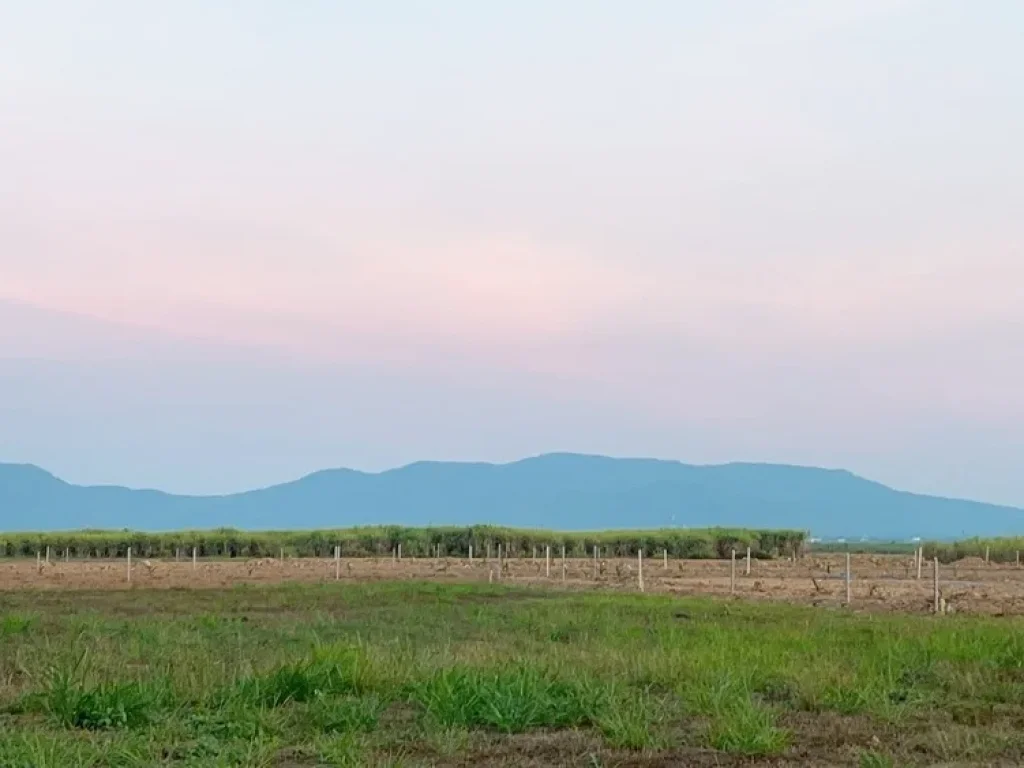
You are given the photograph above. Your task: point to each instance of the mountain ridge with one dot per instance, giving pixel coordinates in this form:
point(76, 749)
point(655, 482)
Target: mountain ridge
point(557, 490)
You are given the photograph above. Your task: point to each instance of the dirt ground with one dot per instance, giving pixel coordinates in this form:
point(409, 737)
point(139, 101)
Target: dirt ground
point(879, 582)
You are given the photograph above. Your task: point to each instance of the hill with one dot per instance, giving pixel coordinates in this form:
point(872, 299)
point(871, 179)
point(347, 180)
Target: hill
point(564, 491)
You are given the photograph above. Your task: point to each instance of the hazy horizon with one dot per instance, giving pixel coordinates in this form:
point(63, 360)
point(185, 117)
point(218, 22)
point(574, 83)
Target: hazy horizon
point(238, 248)
point(471, 462)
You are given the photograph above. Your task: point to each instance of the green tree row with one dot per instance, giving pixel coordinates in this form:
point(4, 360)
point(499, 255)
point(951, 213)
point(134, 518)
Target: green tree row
point(998, 550)
point(380, 541)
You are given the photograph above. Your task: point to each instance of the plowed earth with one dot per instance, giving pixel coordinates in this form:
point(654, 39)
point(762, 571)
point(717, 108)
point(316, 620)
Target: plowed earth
point(878, 583)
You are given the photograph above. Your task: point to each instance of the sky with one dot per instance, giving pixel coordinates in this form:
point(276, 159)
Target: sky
point(242, 242)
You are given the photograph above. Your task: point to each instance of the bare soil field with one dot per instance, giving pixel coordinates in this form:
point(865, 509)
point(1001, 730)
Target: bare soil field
point(879, 582)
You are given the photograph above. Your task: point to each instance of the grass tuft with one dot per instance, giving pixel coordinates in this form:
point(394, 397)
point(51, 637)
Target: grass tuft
point(631, 722)
point(510, 701)
point(872, 759)
point(330, 671)
point(346, 715)
point(747, 729)
point(17, 624)
point(71, 701)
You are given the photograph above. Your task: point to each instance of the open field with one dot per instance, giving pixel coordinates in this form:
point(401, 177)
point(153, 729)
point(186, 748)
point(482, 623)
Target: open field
point(880, 582)
point(462, 674)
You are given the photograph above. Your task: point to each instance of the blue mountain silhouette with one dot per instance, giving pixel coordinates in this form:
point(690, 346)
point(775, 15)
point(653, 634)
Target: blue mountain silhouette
point(562, 491)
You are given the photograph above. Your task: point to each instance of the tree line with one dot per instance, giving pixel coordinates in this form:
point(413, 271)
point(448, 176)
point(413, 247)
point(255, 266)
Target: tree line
point(380, 541)
point(1003, 549)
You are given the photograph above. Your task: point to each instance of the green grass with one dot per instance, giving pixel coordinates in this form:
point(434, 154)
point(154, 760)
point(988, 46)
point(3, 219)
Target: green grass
point(872, 759)
point(512, 700)
point(632, 720)
point(425, 674)
point(744, 728)
point(16, 624)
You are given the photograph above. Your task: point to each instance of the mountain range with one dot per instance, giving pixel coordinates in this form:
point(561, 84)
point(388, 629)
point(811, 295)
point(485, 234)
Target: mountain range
point(561, 491)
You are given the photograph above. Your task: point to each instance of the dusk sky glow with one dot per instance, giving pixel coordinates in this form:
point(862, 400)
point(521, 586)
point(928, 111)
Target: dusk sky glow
point(242, 242)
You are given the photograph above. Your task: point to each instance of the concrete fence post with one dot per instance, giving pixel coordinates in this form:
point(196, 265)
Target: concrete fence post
point(849, 581)
point(732, 573)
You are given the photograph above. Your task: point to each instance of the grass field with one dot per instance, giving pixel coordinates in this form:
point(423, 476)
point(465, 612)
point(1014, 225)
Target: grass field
point(413, 673)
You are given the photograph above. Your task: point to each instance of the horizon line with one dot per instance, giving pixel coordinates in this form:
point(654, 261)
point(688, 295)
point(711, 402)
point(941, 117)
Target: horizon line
point(499, 464)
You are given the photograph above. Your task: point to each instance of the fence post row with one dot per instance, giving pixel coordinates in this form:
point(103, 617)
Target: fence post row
point(51, 555)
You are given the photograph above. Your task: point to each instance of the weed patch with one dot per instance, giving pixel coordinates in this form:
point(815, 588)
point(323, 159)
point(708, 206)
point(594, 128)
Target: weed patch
point(510, 701)
point(71, 701)
point(747, 729)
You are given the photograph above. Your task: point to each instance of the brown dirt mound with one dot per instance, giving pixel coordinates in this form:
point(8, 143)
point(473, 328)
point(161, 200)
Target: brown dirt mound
point(971, 562)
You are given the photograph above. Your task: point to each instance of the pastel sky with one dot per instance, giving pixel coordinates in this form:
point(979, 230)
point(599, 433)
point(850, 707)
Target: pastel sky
point(244, 241)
